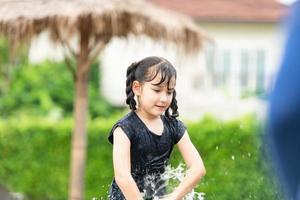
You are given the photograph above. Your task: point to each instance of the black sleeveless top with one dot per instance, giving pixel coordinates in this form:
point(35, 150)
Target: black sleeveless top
point(149, 153)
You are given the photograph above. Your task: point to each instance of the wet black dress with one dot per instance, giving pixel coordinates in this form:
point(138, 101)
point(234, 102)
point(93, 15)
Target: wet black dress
point(149, 153)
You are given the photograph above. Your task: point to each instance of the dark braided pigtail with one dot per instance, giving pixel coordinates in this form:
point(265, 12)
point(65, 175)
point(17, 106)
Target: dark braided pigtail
point(174, 107)
point(130, 77)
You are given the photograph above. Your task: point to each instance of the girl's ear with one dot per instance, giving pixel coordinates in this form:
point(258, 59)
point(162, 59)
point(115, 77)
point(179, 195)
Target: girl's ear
point(136, 88)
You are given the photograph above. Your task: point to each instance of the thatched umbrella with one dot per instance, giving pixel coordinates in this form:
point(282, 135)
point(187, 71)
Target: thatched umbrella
point(94, 22)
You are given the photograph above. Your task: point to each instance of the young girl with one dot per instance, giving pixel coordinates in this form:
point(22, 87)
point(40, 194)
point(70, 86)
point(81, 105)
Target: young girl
point(143, 140)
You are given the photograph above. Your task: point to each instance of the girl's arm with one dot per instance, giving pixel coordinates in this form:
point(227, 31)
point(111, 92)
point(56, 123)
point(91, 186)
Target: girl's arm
point(195, 172)
point(121, 161)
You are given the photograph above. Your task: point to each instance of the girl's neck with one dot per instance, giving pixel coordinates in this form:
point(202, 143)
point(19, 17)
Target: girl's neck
point(153, 123)
point(146, 116)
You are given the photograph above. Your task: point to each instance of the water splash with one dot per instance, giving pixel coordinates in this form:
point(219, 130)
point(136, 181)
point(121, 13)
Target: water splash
point(171, 178)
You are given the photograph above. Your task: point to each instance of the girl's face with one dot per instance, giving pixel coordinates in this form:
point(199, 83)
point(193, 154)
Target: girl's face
point(154, 99)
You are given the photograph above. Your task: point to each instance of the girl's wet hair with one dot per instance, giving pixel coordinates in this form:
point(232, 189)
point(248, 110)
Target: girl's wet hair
point(145, 71)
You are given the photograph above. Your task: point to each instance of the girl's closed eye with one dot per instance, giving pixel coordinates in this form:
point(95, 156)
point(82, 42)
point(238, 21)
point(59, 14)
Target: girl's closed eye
point(171, 91)
point(156, 90)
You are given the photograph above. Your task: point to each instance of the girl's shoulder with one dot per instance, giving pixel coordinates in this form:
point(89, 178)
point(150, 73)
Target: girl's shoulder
point(128, 118)
point(125, 123)
point(174, 122)
point(176, 128)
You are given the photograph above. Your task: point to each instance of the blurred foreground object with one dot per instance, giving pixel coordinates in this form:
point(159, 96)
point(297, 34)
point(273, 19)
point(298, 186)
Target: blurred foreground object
point(284, 116)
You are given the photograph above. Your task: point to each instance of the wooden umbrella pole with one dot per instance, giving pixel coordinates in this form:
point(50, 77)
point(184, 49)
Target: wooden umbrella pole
point(79, 138)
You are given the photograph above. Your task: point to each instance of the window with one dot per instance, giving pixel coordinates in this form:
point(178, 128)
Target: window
point(260, 72)
point(245, 66)
point(244, 70)
point(218, 65)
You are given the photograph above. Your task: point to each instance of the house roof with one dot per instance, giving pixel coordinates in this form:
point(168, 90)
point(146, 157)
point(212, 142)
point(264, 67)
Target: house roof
point(227, 10)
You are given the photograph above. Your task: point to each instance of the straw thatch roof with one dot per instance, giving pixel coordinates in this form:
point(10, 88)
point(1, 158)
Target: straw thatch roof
point(100, 19)
point(269, 11)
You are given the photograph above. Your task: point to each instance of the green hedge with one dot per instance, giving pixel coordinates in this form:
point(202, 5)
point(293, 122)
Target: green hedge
point(34, 158)
point(235, 160)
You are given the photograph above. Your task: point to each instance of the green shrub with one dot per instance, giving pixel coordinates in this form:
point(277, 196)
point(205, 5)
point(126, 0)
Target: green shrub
point(235, 161)
point(10, 60)
point(47, 89)
point(34, 158)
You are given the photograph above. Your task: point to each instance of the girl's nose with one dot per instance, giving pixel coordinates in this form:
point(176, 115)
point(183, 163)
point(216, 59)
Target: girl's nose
point(163, 97)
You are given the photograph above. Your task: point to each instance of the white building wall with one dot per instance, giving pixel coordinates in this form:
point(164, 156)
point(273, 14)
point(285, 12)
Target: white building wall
point(197, 93)
point(249, 37)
